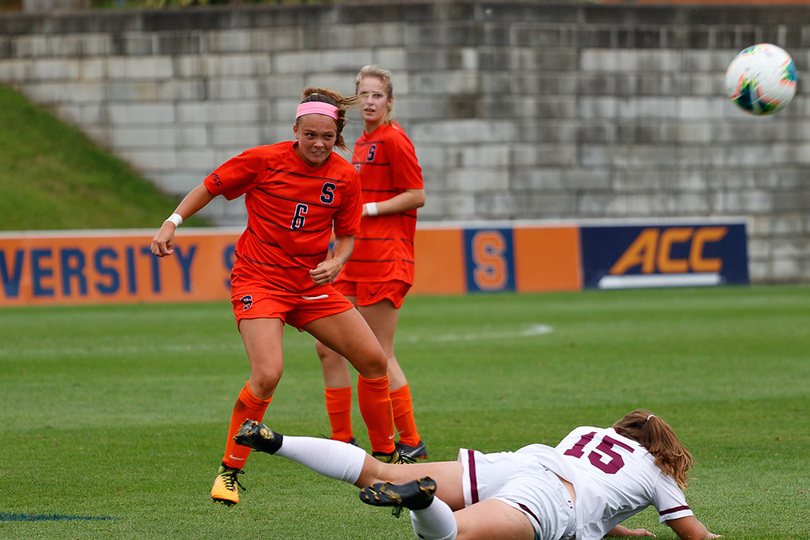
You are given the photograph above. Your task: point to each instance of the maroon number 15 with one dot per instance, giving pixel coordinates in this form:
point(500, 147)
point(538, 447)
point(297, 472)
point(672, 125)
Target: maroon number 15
point(603, 457)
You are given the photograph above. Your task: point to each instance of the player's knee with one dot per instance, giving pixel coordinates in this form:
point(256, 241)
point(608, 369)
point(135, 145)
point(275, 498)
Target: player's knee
point(374, 367)
point(371, 372)
point(263, 382)
point(325, 354)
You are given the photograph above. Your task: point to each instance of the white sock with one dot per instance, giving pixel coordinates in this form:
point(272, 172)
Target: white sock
point(436, 522)
point(333, 459)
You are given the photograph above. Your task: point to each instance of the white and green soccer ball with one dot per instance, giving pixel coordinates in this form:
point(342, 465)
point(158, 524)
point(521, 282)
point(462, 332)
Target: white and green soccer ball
point(761, 79)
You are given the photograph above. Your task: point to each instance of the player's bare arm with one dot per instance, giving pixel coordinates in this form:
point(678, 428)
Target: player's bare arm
point(197, 198)
point(622, 531)
point(402, 202)
point(690, 528)
point(328, 270)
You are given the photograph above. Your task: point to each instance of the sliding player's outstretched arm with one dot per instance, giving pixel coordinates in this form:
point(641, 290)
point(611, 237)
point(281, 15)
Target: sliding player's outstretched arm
point(690, 528)
point(622, 531)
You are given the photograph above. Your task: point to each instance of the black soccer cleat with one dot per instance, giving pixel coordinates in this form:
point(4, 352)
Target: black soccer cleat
point(256, 435)
point(392, 457)
point(412, 453)
point(414, 495)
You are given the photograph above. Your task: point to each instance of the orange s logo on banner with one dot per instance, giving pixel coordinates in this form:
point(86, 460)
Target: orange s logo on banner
point(489, 260)
point(490, 268)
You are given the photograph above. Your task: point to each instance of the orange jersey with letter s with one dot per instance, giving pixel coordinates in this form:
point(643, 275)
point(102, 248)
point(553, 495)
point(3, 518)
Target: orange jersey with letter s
point(292, 211)
point(383, 248)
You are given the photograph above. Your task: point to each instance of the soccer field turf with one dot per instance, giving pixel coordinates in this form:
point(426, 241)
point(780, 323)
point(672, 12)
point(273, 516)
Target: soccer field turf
point(113, 418)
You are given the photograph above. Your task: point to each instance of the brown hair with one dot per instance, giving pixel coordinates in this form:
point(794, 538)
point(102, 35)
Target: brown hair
point(384, 75)
point(343, 103)
point(671, 456)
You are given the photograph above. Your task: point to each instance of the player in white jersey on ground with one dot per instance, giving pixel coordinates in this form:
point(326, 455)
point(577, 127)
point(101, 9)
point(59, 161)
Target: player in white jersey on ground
point(583, 488)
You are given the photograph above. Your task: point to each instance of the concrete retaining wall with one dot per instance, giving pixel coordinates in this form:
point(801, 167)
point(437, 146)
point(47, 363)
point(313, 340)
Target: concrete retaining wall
point(518, 110)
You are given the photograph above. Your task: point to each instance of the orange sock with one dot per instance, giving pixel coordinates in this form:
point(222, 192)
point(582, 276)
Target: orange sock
point(403, 416)
point(247, 407)
point(375, 406)
point(339, 409)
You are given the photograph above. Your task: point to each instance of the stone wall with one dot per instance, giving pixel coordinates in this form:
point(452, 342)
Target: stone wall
point(518, 110)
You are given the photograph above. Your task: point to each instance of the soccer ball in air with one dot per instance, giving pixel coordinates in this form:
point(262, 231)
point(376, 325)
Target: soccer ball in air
point(761, 79)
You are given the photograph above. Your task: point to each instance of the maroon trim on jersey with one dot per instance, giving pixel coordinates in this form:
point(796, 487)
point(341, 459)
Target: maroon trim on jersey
point(286, 229)
point(371, 163)
point(271, 265)
point(374, 260)
point(310, 176)
point(530, 513)
point(273, 195)
point(663, 513)
point(369, 190)
point(320, 255)
point(381, 239)
point(473, 478)
point(276, 286)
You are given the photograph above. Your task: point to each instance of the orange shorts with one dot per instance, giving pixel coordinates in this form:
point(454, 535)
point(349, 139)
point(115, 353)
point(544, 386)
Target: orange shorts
point(368, 293)
point(253, 299)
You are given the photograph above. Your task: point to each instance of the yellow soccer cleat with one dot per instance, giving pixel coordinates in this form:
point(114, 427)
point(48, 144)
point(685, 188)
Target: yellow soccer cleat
point(226, 486)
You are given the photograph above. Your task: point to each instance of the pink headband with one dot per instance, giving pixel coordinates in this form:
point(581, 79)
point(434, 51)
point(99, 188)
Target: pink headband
point(317, 107)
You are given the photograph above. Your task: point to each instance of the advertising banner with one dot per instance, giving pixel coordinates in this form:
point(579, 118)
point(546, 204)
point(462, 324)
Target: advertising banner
point(529, 258)
point(77, 267)
point(113, 266)
point(672, 255)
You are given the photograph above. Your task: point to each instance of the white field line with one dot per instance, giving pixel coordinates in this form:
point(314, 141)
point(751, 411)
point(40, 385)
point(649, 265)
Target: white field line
point(529, 331)
point(117, 350)
point(135, 349)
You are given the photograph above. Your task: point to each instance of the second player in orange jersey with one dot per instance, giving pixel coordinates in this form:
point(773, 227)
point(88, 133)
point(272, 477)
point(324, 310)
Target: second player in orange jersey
point(381, 269)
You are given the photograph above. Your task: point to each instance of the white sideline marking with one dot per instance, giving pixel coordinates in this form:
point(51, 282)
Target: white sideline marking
point(532, 330)
point(660, 280)
point(528, 331)
point(117, 350)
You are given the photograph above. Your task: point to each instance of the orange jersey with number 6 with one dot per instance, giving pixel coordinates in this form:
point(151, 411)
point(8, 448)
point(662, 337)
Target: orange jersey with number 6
point(292, 211)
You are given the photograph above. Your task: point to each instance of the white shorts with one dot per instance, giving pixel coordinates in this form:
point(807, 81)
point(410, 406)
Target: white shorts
point(522, 482)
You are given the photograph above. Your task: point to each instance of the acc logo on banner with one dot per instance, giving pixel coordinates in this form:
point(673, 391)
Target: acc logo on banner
point(701, 254)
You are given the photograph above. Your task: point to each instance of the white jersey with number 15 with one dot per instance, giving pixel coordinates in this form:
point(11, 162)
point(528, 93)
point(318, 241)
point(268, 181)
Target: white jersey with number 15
point(614, 478)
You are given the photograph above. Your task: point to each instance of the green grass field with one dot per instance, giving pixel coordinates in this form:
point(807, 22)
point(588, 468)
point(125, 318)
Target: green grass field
point(53, 177)
point(112, 418)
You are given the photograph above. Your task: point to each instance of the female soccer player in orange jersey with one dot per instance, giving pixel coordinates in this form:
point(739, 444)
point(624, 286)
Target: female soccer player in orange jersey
point(296, 193)
point(380, 271)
